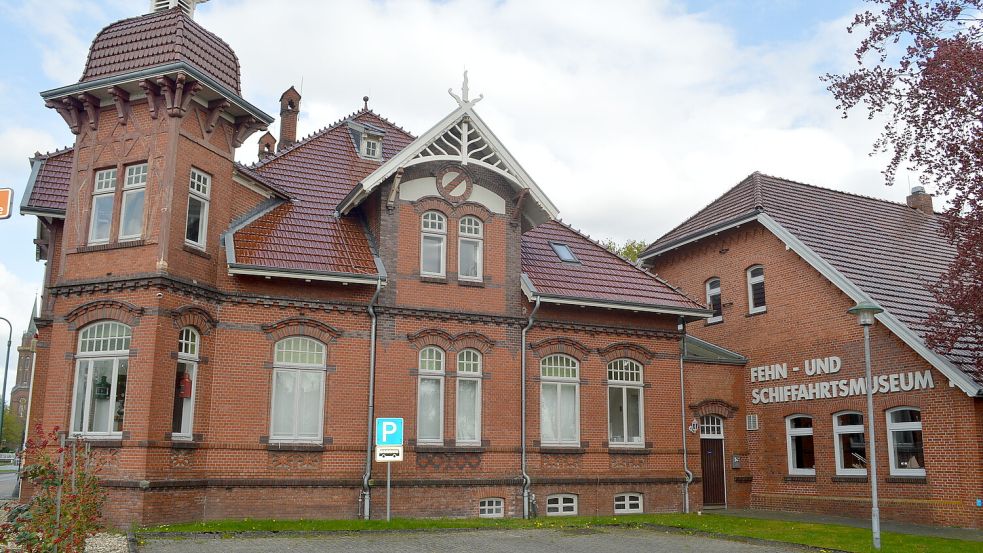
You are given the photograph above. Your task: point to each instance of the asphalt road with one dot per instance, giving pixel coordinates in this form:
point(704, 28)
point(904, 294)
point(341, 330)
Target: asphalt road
point(607, 540)
point(7, 482)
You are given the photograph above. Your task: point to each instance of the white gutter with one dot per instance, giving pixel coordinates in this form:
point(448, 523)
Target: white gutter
point(345, 278)
point(532, 294)
point(741, 220)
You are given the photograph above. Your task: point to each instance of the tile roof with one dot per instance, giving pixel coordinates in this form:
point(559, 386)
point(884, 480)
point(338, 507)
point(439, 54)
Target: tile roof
point(316, 173)
point(599, 276)
point(890, 251)
point(49, 190)
point(157, 39)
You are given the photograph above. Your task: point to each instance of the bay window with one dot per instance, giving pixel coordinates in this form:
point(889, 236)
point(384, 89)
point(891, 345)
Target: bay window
point(468, 397)
point(297, 406)
point(904, 442)
point(99, 396)
point(560, 401)
point(185, 385)
point(430, 397)
point(849, 445)
point(433, 244)
point(801, 453)
point(625, 403)
point(469, 251)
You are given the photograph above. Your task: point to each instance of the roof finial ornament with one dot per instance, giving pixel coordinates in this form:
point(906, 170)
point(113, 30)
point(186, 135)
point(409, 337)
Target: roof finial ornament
point(366, 100)
point(463, 100)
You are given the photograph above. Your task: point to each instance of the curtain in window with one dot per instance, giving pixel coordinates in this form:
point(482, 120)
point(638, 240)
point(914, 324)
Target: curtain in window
point(467, 410)
point(285, 382)
point(430, 419)
point(568, 412)
point(549, 402)
point(309, 404)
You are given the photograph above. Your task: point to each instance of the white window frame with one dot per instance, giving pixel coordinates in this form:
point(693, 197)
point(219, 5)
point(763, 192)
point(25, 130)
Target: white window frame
point(491, 507)
point(88, 358)
point(134, 181)
point(712, 427)
point(625, 500)
point(189, 351)
point(559, 382)
point(790, 433)
point(616, 380)
point(556, 505)
point(428, 229)
point(714, 291)
point(431, 370)
point(468, 376)
point(104, 184)
point(375, 141)
point(471, 236)
point(840, 429)
point(284, 368)
point(195, 185)
point(893, 427)
point(751, 281)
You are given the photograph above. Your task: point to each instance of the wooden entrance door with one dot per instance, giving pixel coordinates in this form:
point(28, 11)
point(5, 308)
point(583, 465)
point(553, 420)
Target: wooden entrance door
point(712, 458)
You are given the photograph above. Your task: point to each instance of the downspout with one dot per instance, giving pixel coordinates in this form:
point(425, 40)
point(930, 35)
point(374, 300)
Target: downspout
point(682, 414)
point(366, 493)
point(526, 481)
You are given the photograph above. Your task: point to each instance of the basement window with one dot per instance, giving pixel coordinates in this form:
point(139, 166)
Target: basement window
point(491, 507)
point(561, 505)
point(564, 252)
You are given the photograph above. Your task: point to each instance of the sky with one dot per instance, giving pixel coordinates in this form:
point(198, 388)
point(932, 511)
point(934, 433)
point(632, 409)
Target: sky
point(630, 115)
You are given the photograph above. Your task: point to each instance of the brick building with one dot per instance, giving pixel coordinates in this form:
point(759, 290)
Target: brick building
point(21, 391)
point(817, 253)
point(225, 334)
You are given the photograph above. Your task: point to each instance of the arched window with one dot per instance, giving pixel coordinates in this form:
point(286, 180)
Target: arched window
point(904, 442)
point(713, 300)
point(756, 289)
point(801, 453)
point(848, 444)
point(711, 427)
point(560, 401)
point(99, 398)
point(297, 407)
point(625, 426)
point(430, 397)
point(561, 505)
point(469, 250)
point(469, 397)
point(186, 383)
point(433, 244)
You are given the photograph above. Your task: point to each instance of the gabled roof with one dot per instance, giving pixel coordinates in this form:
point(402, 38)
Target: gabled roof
point(873, 249)
point(461, 137)
point(599, 278)
point(303, 237)
point(46, 193)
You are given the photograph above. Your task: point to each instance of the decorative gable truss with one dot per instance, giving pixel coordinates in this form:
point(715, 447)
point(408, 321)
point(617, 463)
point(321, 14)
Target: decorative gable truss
point(463, 143)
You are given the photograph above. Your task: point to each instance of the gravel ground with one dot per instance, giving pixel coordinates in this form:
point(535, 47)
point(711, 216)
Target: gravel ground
point(608, 540)
point(106, 543)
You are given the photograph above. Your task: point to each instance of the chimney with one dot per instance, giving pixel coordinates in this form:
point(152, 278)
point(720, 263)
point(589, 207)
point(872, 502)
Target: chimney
point(188, 6)
point(267, 145)
point(920, 200)
point(289, 111)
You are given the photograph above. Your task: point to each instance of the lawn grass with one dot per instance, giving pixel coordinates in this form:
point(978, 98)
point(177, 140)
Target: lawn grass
point(845, 538)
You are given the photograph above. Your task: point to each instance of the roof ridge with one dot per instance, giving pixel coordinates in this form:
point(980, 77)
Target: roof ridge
point(48, 155)
point(843, 192)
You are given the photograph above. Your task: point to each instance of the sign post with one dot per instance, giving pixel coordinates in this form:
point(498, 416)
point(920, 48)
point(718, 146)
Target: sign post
point(6, 202)
point(388, 449)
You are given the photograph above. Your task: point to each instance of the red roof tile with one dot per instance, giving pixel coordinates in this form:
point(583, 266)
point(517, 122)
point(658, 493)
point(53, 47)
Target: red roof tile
point(160, 38)
point(598, 276)
point(49, 191)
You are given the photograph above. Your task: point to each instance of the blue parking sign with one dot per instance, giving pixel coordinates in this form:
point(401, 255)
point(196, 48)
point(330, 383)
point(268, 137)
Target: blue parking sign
point(388, 431)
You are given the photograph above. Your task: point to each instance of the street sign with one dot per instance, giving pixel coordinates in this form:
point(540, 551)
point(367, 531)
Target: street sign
point(388, 432)
point(6, 202)
point(388, 453)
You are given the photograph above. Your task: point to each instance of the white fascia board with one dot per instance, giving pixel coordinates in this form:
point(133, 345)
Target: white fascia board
point(734, 223)
point(250, 183)
point(235, 269)
point(901, 330)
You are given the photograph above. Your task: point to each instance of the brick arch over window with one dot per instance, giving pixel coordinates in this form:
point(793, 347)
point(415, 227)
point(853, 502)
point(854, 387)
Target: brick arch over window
point(626, 350)
point(566, 346)
point(447, 342)
point(196, 317)
point(433, 203)
point(716, 407)
point(301, 326)
point(474, 340)
point(98, 310)
point(474, 209)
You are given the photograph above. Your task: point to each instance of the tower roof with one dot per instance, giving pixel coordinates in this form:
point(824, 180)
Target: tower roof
point(160, 38)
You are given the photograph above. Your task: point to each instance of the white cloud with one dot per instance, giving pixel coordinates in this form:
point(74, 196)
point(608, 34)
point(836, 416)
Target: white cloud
point(20, 144)
point(16, 297)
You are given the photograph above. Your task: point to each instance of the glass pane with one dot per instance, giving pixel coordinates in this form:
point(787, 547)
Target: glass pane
point(81, 393)
point(430, 419)
point(309, 409)
point(548, 413)
point(616, 419)
point(803, 451)
point(758, 294)
point(100, 400)
point(120, 403)
point(131, 221)
point(757, 272)
point(284, 398)
point(715, 304)
point(102, 218)
point(634, 415)
point(568, 412)
point(433, 254)
point(468, 259)
point(906, 415)
point(178, 413)
point(195, 209)
point(802, 422)
point(853, 451)
point(908, 453)
point(467, 410)
point(850, 419)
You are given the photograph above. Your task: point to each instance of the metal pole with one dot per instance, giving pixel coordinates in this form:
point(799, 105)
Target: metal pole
point(875, 515)
point(389, 472)
point(6, 369)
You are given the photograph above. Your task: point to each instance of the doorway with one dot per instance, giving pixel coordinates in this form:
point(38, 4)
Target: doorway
point(712, 459)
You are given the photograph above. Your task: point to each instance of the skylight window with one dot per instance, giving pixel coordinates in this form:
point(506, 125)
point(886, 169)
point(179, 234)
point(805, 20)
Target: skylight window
point(564, 252)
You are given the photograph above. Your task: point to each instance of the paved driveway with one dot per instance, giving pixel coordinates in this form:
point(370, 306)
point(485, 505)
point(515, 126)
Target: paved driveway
point(613, 540)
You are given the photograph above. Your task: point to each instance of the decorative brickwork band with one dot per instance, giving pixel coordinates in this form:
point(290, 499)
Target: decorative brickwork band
point(196, 317)
point(448, 342)
point(436, 203)
point(717, 407)
point(99, 310)
point(301, 326)
point(628, 350)
point(566, 346)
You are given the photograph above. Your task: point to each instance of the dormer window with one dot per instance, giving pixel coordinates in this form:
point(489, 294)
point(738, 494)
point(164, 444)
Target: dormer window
point(564, 252)
point(371, 147)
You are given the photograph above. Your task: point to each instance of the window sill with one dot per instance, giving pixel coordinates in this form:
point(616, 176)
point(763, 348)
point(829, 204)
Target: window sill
point(433, 279)
point(855, 478)
point(799, 478)
point(628, 450)
point(185, 444)
point(100, 441)
point(471, 283)
point(756, 313)
point(562, 449)
point(906, 480)
point(448, 449)
point(294, 446)
point(711, 323)
point(110, 246)
point(195, 250)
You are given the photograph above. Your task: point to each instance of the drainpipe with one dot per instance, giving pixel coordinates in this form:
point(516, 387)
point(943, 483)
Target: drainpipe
point(682, 414)
point(366, 493)
point(526, 481)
